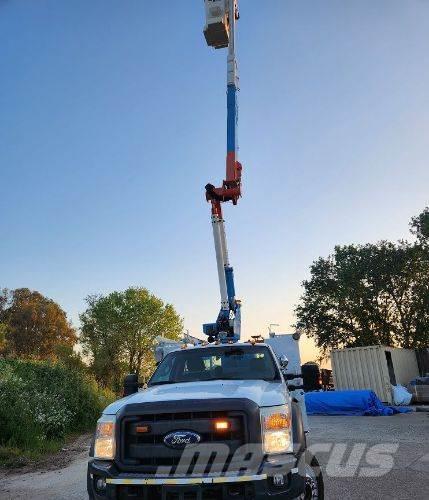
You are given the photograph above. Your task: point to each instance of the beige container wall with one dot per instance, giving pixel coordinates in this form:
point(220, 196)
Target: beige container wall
point(405, 365)
point(362, 368)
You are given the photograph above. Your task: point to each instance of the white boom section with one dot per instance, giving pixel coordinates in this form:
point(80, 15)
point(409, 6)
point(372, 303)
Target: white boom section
point(221, 258)
point(232, 77)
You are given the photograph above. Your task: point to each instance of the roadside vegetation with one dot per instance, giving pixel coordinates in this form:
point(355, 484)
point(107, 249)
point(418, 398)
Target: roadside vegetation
point(53, 387)
point(41, 404)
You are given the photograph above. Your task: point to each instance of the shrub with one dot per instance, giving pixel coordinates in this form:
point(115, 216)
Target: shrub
point(41, 401)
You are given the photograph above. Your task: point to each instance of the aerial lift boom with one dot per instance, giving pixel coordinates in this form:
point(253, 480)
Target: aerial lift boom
point(219, 31)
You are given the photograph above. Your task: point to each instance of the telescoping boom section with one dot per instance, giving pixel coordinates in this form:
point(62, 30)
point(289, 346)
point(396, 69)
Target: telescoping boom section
point(221, 17)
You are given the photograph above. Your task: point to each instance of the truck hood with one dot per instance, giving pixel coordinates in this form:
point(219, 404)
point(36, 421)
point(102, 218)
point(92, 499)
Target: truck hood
point(261, 392)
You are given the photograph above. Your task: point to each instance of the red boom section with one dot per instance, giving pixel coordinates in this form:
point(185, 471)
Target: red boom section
point(231, 186)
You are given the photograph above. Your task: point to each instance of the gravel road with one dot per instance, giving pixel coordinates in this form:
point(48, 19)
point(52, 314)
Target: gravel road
point(51, 481)
point(344, 475)
point(407, 479)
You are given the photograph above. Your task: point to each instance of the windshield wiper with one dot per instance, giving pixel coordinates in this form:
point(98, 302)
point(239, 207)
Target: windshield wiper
point(219, 378)
point(161, 382)
point(270, 379)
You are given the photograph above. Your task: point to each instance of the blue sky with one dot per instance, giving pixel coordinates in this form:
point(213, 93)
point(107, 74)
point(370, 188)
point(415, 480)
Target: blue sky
point(113, 120)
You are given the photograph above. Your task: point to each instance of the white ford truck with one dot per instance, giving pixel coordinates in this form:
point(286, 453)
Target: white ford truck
point(214, 422)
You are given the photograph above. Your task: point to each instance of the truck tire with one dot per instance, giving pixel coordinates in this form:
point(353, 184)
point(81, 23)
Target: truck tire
point(314, 487)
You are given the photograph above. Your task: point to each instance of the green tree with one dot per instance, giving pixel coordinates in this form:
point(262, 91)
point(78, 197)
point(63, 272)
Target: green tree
point(119, 330)
point(68, 357)
point(374, 294)
point(33, 325)
point(420, 226)
point(3, 326)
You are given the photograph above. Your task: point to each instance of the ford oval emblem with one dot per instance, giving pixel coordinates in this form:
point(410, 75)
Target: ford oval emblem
point(179, 439)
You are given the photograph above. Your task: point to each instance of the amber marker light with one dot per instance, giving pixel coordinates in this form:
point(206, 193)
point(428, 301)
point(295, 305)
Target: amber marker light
point(276, 421)
point(222, 425)
point(142, 429)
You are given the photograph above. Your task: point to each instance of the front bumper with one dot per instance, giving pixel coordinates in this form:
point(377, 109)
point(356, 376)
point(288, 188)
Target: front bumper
point(126, 486)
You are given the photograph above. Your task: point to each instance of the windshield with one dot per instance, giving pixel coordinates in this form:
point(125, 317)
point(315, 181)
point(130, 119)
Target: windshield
point(216, 363)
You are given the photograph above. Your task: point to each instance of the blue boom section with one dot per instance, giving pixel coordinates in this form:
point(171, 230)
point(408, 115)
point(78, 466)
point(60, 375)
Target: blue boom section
point(230, 287)
point(232, 119)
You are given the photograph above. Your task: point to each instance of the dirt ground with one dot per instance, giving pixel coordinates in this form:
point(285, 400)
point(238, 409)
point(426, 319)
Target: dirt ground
point(67, 454)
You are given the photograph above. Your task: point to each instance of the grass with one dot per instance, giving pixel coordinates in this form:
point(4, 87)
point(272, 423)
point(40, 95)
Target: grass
point(12, 457)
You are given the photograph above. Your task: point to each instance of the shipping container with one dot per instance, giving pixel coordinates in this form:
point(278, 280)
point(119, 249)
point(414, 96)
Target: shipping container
point(374, 367)
point(423, 361)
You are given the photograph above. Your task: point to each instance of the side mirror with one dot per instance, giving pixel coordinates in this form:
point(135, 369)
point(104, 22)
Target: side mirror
point(131, 384)
point(283, 363)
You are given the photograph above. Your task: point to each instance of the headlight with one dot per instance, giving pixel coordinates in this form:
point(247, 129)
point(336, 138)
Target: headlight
point(104, 446)
point(276, 429)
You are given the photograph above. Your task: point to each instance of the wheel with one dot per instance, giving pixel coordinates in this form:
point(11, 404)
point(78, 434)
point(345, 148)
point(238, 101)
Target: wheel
point(314, 487)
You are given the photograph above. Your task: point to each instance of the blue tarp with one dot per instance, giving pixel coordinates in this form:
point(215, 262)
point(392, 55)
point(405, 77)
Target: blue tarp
point(349, 403)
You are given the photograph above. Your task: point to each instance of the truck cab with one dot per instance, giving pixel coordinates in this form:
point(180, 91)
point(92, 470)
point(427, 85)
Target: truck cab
point(214, 422)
